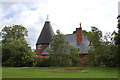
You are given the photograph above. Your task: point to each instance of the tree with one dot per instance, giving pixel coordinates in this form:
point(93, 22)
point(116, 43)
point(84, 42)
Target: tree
point(108, 50)
point(117, 36)
point(60, 46)
point(117, 43)
point(15, 50)
point(95, 36)
point(14, 32)
point(102, 49)
point(63, 54)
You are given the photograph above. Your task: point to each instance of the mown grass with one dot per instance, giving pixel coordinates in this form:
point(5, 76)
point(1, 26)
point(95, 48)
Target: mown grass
point(53, 72)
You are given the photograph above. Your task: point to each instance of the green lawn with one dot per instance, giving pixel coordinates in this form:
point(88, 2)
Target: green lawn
point(53, 72)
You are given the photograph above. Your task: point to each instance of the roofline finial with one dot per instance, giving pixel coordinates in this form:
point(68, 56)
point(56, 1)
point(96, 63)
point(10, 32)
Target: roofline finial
point(47, 19)
point(80, 26)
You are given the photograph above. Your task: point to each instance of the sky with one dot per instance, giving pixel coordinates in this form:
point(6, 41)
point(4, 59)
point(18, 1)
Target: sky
point(65, 15)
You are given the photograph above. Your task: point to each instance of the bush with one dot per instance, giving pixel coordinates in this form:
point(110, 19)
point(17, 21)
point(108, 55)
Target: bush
point(75, 58)
point(102, 60)
point(58, 60)
point(42, 62)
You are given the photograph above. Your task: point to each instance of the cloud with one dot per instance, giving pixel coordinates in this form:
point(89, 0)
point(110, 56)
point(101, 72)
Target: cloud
point(65, 15)
point(22, 14)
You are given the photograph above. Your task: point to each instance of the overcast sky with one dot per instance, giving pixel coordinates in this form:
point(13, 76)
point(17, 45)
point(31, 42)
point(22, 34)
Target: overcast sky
point(64, 15)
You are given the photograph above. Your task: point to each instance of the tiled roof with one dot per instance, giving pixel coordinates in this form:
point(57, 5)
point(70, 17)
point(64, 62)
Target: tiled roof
point(46, 34)
point(84, 45)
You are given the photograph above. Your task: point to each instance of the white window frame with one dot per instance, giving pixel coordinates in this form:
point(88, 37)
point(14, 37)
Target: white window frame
point(39, 46)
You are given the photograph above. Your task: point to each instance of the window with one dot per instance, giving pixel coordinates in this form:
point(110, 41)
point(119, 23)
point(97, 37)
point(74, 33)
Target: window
point(39, 46)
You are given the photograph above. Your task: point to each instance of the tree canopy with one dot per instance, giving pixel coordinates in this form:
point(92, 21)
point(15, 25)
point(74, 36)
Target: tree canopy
point(117, 43)
point(62, 53)
point(60, 46)
point(15, 50)
point(14, 32)
point(102, 48)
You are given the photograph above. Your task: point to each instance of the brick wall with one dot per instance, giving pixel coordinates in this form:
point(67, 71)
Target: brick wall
point(43, 47)
point(84, 60)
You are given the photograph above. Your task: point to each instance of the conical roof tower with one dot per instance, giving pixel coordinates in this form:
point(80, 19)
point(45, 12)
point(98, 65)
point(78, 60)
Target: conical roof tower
point(46, 33)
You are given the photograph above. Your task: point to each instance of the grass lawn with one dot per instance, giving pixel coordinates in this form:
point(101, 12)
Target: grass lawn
point(54, 72)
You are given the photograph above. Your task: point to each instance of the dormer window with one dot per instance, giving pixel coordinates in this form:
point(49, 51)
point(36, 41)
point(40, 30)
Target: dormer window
point(39, 46)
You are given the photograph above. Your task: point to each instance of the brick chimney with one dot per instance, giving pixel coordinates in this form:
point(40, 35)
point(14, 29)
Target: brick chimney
point(79, 34)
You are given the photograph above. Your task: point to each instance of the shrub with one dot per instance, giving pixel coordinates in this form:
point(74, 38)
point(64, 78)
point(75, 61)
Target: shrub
point(42, 62)
point(60, 60)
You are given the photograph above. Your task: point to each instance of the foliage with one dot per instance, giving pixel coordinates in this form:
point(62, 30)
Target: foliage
point(14, 32)
point(95, 36)
point(58, 45)
point(102, 49)
point(60, 60)
point(117, 43)
point(57, 60)
point(15, 50)
point(117, 36)
point(42, 62)
point(62, 53)
point(75, 59)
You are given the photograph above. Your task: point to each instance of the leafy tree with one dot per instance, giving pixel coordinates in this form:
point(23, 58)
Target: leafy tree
point(108, 51)
point(14, 32)
point(117, 42)
point(60, 46)
point(15, 50)
point(62, 52)
point(117, 36)
point(95, 36)
point(102, 49)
